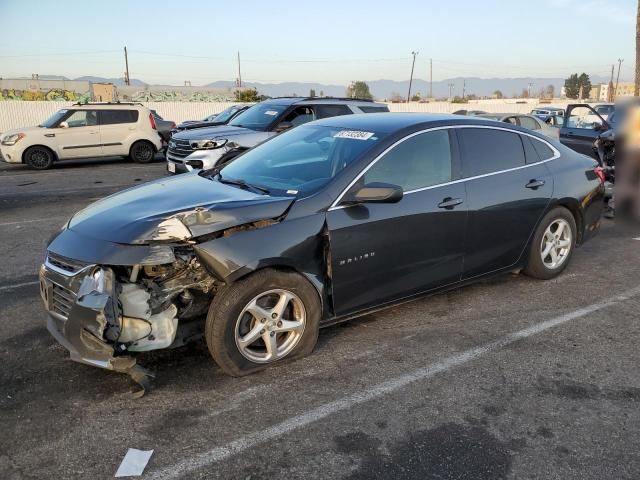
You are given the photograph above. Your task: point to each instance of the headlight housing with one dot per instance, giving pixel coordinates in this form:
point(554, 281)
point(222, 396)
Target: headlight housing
point(208, 144)
point(12, 139)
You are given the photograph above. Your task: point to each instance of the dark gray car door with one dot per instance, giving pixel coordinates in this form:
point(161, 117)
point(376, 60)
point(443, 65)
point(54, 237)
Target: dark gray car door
point(381, 252)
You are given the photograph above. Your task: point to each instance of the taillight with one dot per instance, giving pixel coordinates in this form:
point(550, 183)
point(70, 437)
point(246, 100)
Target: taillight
point(173, 125)
point(152, 121)
point(599, 171)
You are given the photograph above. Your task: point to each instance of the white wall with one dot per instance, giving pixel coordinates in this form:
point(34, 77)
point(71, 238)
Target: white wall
point(16, 114)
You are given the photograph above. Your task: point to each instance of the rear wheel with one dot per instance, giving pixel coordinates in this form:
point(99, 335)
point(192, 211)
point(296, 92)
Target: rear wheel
point(263, 319)
point(552, 245)
point(38, 158)
point(142, 152)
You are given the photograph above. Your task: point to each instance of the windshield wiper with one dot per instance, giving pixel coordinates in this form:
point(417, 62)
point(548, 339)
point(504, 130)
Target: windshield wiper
point(243, 184)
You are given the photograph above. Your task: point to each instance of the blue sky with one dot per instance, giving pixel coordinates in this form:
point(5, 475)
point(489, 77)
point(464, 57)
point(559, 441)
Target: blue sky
point(321, 41)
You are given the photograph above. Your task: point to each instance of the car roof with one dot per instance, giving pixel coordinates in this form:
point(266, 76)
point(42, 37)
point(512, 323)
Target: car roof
point(393, 122)
point(105, 106)
point(314, 100)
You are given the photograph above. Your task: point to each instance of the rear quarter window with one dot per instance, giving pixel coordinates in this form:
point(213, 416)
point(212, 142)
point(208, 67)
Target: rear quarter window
point(544, 151)
point(488, 150)
point(113, 117)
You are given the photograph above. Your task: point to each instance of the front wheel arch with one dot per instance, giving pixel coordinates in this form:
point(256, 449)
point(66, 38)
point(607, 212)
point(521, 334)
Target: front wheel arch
point(53, 153)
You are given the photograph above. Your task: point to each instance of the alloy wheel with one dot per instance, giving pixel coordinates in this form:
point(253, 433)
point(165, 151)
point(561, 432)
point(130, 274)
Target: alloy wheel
point(270, 326)
point(556, 244)
point(39, 159)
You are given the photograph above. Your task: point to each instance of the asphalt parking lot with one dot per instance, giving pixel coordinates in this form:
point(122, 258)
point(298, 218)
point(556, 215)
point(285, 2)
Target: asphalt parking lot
point(510, 378)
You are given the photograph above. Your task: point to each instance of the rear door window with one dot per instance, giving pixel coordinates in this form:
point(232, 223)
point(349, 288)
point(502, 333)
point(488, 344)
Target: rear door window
point(113, 117)
point(373, 109)
point(421, 161)
point(487, 150)
point(326, 111)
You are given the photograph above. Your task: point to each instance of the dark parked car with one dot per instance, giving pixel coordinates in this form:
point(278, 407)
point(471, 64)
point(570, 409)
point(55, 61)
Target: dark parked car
point(163, 126)
point(327, 221)
point(221, 118)
point(581, 126)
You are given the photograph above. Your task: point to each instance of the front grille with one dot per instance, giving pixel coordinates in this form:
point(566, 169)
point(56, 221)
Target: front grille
point(62, 300)
point(179, 148)
point(64, 264)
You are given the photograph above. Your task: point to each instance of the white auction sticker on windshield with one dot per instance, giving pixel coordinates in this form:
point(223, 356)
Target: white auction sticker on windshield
point(271, 112)
point(354, 135)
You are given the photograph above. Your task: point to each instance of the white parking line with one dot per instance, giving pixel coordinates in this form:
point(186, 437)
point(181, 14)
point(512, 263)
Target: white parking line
point(20, 222)
point(18, 285)
point(217, 454)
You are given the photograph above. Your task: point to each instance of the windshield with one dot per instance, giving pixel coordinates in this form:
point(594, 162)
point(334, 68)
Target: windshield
point(225, 115)
point(258, 117)
point(301, 160)
point(54, 119)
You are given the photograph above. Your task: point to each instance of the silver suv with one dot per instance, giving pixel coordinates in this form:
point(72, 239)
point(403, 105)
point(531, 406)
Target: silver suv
point(204, 148)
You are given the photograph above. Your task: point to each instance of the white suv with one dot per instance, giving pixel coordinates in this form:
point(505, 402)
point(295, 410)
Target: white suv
point(85, 131)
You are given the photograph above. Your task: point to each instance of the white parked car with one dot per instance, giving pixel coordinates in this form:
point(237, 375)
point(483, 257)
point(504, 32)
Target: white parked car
point(85, 131)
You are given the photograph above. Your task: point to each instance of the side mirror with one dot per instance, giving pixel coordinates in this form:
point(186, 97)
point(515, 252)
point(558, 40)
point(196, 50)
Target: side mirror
point(376, 192)
point(63, 125)
point(282, 126)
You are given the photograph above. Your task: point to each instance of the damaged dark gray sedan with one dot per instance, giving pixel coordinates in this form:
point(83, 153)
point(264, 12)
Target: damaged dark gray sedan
point(328, 221)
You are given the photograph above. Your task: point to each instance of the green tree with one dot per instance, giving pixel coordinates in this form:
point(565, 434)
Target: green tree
point(248, 95)
point(312, 93)
point(573, 84)
point(359, 89)
point(321, 93)
point(498, 94)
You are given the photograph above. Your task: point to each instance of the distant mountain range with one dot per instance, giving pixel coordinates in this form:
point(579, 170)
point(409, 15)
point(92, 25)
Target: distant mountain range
point(379, 88)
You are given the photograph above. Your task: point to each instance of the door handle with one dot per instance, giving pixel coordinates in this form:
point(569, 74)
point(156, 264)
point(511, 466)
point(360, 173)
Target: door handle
point(449, 203)
point(535, 184)
point(50, 135)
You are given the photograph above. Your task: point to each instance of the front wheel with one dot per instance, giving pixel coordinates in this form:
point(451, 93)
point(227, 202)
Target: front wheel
point(268, 317)
point(142, 152)
point(38, 158)
point(552, 245)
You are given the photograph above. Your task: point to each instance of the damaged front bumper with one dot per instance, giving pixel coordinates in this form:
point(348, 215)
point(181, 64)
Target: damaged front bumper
point(78, 313)
point(87, 315)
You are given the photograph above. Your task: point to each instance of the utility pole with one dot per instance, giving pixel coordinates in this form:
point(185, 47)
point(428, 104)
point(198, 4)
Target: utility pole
point(411, 77)
point(464, 88)
point(620, 60)
point(529, 90)
point(239, 74)
point(431, 78)
point(610, 87)
point(126, 68)
point(451, 85)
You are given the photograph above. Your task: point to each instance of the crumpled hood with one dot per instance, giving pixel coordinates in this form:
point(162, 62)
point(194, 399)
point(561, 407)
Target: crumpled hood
point(204, 205)
point(221, 131)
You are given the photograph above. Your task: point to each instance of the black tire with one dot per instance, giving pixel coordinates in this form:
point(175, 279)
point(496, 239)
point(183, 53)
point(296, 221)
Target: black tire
point(537, 267)
point(142, 152)
point(224, 317)
point(38, 158)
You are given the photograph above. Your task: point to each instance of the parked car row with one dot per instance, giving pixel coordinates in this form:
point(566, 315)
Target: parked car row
point(325, 222)
point(204, 148)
